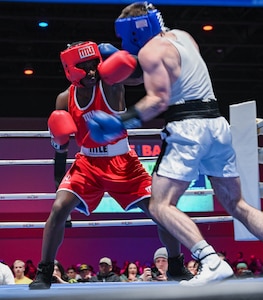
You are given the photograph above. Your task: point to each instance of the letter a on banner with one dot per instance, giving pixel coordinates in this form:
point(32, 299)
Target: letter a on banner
point(245, 142)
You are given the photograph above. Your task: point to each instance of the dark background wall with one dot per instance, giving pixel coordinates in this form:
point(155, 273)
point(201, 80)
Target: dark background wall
point(233, 51)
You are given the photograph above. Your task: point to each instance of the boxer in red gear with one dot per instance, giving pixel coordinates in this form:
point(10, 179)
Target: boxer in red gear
point(97, 169)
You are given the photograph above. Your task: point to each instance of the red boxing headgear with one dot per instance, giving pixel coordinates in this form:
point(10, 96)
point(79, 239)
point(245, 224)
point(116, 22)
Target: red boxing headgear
point(75, 54)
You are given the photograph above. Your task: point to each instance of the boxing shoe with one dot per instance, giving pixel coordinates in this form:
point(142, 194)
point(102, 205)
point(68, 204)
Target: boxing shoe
point(211, 269)
point(44, 276)
point(177, 270)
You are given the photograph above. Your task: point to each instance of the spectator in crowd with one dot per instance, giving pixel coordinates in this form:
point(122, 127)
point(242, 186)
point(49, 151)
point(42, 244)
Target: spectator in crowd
point(157, 273)
point(73, 276)
point(105, 273)
point(242, 270)
point(192, 266)
point(6, 275)
point(85, 273)
point(19, 272)
point(131, 273)
point(59, 274)
point(30, 269)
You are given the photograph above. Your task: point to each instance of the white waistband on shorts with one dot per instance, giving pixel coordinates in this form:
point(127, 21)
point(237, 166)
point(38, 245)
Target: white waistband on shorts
point(121, 147)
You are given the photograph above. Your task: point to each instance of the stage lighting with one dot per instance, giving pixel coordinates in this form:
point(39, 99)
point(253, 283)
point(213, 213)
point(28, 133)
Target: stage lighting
point(28, 69)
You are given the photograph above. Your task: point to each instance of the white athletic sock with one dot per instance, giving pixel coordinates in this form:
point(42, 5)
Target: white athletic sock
point(197, 248)
point(206, 253)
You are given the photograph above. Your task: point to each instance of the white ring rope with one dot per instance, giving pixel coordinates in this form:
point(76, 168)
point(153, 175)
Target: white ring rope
point(131, 132)
point(33, 134)
point(6, 162)
point(52, 196)
point(109, 223)
point(20, 162)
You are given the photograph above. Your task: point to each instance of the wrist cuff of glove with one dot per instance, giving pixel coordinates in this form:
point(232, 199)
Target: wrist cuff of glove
point(58, 147)
point(131, 118)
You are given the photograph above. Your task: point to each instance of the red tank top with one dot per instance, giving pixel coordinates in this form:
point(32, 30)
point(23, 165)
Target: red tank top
point(80, 115)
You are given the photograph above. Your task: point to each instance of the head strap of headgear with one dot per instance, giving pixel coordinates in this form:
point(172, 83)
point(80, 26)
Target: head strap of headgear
point(77, 53)
point(135, 32)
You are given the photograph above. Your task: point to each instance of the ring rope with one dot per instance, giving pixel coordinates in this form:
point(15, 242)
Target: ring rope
point(30, 133)
point(108, 223)
point(52, 196)
point(131, 132)
point(6, 162)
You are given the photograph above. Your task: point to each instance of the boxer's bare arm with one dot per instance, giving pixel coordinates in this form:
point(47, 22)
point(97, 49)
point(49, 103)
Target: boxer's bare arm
point(62, 100)
point(157, 83)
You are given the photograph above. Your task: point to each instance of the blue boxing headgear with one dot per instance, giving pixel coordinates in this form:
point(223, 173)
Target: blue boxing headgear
point(135, 32)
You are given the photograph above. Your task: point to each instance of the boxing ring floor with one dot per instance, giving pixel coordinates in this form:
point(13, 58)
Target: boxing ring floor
point(232, 289)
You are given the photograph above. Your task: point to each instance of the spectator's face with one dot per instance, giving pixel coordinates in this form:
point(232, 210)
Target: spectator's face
point(192, 267)
point(71, 274)
point(132, 269)
point(241, 270)
point(104, 269)
point(19, 268)
point(84, 274)
point(161, 263)
point(57, 272)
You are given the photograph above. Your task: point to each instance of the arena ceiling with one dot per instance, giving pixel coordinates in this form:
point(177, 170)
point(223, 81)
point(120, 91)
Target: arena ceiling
point(233, 50)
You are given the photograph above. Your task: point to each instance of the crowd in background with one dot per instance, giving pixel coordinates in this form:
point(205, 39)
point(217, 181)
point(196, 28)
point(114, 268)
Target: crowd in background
point(21, 272)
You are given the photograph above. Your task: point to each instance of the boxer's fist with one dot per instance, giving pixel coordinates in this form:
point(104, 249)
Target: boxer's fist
point(105, 128)
point(118, 67)
point(61, 126)
point(106, 50)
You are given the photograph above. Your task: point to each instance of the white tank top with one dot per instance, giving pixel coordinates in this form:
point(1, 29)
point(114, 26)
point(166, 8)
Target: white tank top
point(194, 82)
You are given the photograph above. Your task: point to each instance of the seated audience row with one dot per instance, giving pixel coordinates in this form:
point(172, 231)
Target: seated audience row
point(24, 272)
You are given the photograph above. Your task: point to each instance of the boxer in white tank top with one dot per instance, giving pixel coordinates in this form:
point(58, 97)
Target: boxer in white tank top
point(196, 139)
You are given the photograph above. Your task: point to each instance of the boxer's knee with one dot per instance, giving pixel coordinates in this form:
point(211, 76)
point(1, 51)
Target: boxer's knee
point(154, 208)
point(62, 208)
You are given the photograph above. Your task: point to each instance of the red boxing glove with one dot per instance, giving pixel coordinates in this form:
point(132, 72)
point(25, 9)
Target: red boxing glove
point(61, 126)
point(118, 67)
